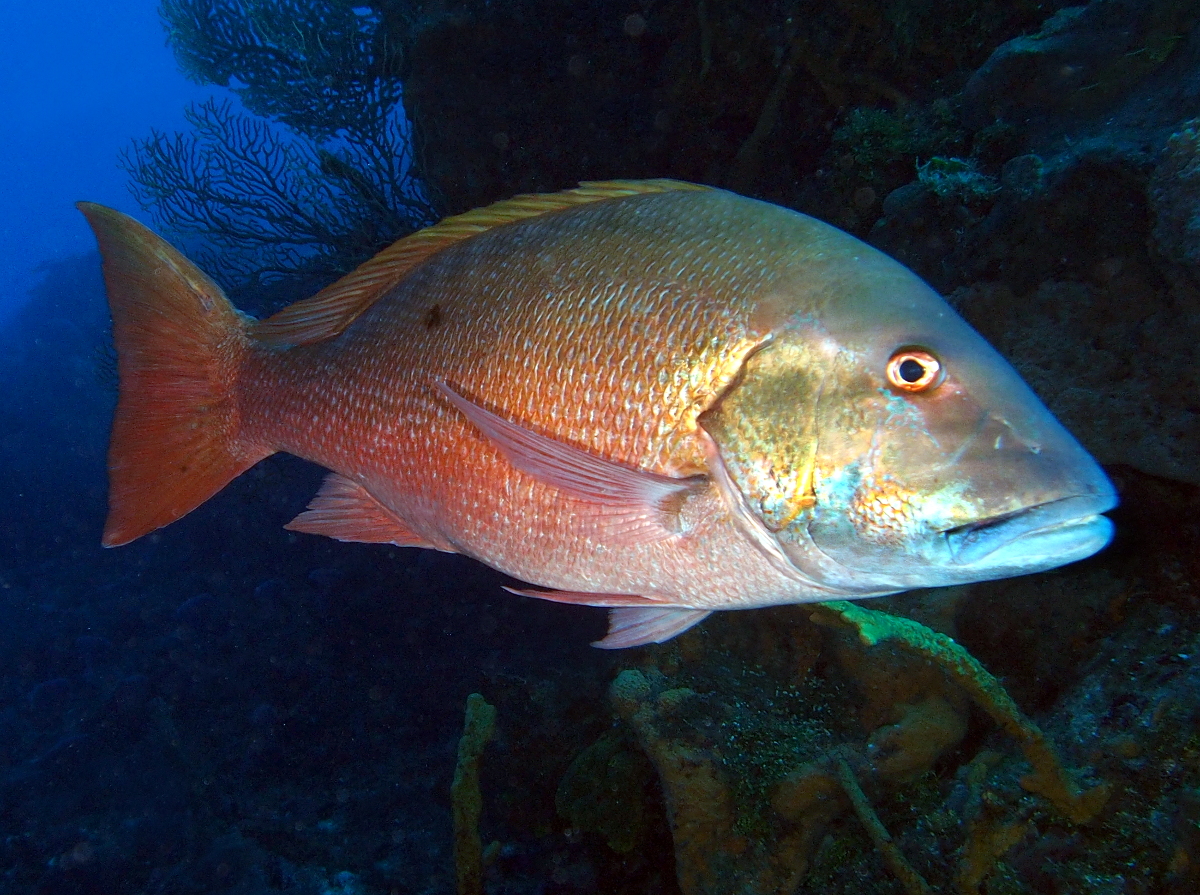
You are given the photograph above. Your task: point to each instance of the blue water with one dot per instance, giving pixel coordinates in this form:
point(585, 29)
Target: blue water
point(77, 82)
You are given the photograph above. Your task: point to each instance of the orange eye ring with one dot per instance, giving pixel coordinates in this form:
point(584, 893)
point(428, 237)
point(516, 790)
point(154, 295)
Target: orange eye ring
point(914, 370)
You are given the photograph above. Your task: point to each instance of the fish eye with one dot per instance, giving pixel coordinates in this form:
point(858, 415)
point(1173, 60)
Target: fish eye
point(914, 370)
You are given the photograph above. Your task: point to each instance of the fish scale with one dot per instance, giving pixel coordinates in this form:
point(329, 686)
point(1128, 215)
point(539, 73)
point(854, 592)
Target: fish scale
point(639, 334)
point(651, 396)
point(487, 304)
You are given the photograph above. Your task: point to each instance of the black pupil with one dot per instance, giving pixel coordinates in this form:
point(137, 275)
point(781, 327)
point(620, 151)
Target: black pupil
point(911, 370)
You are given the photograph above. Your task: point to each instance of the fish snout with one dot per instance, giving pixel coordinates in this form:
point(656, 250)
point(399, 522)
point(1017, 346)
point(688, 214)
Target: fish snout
point(1042, 535)
point(1059, 518)
point(1046, 495)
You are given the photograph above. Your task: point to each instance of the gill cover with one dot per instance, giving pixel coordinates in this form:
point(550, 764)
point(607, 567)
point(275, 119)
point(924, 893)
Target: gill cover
point(765, 432)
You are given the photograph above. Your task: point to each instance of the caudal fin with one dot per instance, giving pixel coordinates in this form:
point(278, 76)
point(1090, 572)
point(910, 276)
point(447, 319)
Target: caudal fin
point(175, 438)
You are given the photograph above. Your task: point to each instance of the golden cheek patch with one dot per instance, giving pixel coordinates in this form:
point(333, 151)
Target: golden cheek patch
point(883, 511)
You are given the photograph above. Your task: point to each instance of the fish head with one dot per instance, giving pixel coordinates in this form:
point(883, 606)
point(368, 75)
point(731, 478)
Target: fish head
point(878, 443)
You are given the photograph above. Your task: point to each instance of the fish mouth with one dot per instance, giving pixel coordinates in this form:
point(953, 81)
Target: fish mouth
point(1037, 536)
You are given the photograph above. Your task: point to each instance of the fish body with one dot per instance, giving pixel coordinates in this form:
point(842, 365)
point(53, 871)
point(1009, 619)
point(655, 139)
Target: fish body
point(651, 396)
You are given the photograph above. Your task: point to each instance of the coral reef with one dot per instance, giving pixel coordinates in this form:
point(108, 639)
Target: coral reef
point(751, 775)
point(1049, 778)
point(776, 837)
point(876, 724)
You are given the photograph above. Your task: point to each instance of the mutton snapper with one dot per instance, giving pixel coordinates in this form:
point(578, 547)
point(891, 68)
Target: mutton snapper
point(651, 396)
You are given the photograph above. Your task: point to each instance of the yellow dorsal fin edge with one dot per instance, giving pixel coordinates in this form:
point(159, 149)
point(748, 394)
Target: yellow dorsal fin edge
point(336, 306)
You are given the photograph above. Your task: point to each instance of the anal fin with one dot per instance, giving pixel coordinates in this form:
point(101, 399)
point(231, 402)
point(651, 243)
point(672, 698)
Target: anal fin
point(346, 511)
point(637, 627)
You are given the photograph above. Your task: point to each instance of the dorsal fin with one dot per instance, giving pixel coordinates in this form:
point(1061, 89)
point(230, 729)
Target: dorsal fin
point(336, 306)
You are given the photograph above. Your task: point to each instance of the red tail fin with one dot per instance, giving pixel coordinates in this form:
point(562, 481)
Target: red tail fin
point(175, 439)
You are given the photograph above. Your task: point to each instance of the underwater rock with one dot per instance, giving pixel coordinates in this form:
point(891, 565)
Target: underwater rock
point(1109, 358)
point(1046, 70)
point(604, 792)
point(1174, 193)
point(1112, 66)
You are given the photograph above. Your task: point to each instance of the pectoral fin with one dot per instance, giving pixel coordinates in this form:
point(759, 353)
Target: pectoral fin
point(632, 503)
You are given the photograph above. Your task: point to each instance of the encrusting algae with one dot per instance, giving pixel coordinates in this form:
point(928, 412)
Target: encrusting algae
point(1049, 778)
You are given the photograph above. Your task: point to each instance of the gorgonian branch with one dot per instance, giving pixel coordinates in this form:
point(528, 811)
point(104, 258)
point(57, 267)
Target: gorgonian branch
point(272, 201)
point(325, 175)
point(319, 66)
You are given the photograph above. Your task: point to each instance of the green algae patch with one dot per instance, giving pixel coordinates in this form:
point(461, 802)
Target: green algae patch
point(466, 800)
point(1049, 778)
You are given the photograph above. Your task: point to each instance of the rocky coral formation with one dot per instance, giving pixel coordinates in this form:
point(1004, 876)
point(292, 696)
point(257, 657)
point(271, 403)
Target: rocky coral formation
point(533, 95)
point(1085, 62)
point(750, 766)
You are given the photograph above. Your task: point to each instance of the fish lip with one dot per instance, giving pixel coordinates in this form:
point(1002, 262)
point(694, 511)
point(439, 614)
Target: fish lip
point(1068, 524)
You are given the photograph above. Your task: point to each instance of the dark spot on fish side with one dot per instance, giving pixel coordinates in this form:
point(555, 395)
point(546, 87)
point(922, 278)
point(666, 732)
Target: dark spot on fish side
point(433, 317)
